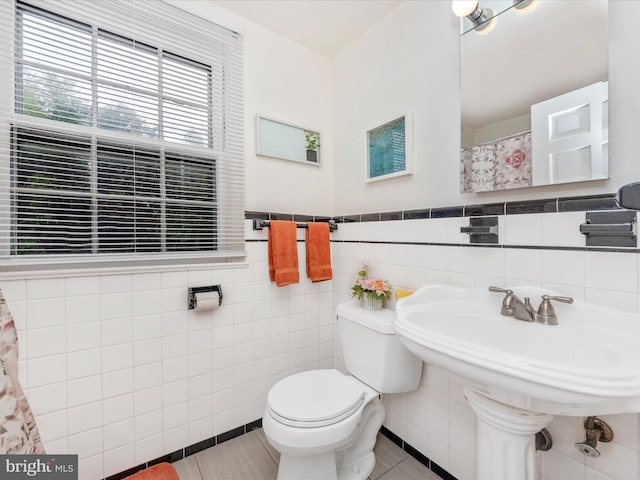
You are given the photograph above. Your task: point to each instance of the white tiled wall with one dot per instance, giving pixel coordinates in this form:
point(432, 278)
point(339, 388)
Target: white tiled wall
point(436, 419)
point(118, 371)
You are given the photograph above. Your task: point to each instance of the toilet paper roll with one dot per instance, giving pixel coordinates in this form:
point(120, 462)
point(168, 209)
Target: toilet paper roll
point(206, 301)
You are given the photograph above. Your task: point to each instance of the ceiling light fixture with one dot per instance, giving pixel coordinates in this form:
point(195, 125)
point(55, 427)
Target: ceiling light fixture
point(523, 6)
point(483, 20)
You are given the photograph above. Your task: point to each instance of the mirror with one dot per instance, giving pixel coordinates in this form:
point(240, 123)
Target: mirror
point(528, 117)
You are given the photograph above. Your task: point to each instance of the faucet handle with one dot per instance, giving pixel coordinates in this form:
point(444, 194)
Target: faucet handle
point(557, 298)
point(546, 313)
point(508, 308)
point(500, 290)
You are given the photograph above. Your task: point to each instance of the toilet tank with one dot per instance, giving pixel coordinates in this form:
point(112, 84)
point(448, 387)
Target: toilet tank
point(372, 351)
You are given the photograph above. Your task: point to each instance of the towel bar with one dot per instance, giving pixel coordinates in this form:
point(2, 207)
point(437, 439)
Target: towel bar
point(259, 224)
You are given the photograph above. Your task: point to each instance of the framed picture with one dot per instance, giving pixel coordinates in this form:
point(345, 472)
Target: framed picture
point(286, 141)
point(390, 149)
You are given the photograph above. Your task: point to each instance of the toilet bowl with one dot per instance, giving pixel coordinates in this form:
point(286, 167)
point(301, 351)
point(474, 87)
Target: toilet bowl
point(324, 423)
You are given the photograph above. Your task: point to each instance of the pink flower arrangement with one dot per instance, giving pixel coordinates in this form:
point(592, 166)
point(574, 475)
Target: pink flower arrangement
point(373, 287)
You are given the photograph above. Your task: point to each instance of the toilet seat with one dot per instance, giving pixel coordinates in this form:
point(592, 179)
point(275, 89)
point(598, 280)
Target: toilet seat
point(315, 398)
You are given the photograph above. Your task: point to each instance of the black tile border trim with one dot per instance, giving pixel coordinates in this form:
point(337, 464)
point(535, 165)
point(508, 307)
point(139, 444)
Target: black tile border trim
point(249, 427)
point(191, 449)
point(548, 205)
point(424, 460)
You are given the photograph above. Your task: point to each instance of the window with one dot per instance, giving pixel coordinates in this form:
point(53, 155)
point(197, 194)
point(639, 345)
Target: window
point(125, 136)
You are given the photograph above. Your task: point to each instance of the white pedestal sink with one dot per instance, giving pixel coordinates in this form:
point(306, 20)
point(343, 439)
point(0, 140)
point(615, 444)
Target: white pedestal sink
point(517, 374)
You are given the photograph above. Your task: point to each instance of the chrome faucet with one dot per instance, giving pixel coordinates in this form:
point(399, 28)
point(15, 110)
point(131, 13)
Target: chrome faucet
point(512, 306)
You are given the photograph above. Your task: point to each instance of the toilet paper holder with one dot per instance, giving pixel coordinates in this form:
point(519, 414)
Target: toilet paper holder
point(211, 288)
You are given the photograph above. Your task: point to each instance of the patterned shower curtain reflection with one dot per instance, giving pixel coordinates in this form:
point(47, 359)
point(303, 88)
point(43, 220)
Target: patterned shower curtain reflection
point(18, 431)
point(504, 164)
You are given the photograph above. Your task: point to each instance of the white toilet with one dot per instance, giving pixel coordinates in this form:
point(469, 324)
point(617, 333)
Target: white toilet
point(325, 423)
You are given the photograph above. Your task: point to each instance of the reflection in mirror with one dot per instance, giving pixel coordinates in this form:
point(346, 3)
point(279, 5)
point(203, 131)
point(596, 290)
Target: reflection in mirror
point(528, 116)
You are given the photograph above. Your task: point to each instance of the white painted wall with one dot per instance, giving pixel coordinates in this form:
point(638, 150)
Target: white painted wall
point(287, 82)
point(410, 62)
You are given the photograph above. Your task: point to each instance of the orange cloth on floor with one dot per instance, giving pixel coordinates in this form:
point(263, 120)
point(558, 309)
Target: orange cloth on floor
point(318, 252)
point(283, 253)
point(160, 471)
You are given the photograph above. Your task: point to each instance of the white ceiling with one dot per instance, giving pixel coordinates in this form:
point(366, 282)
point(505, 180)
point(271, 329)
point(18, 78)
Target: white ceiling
point(325, 26)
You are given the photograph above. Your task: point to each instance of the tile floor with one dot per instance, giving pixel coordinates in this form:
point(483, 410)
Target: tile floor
point(250, 457)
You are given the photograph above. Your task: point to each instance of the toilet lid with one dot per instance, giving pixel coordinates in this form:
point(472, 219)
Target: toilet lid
point(315, 399)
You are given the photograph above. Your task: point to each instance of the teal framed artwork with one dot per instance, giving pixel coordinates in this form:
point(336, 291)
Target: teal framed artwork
point(390, 149)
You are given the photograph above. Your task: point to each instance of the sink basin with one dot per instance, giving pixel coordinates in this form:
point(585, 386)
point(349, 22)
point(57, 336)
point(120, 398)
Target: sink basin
point(589, 364)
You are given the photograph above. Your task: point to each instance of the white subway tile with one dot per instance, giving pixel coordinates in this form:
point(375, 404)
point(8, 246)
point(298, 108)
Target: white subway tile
point(40, 288)
point(522, 229)
point(118, 459)
point(116, 283)
point(147, 376)
point(489, 261)
point(148, 449)
point(146, 281)
point(556, 466)
point(84, 390)
point(200, 363)
point(462, 443)
point(176, 439)
point(611, 271)
point(175, 416)
point(147, 302)
point(200, 408)
point(117, 357)
point(89, 467)
point(563, 267)
point(172, 280)
point(47, 312)
point(86, 285)
point(562, 229)
point(117, 434)
point(116, 409)
point(200, 341)
point(523, 264)
point(46, 341)
point(83, 309)
point(53, 425)
point(46, 370)
point(147, 351)
point(146, 327)
point(116, 305)
point(83, 336)
point(175, 392)
point(623, 301)
point(148, 425)
point(86, 444)
point(84, 417)
point(47, 399)
point(175, 369)
point(147, 401)
point(117, 331)
point(119, 382)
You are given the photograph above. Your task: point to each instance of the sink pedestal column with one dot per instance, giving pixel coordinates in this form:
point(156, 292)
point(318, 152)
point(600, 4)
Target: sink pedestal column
point(505, 439)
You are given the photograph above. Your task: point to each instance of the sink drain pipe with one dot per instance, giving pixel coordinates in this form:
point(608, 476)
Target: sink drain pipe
point(596, 430)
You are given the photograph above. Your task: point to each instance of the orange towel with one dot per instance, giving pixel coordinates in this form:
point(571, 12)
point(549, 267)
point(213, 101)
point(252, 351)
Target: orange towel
point(283, 253)
point(160, 471)
point(318, 252)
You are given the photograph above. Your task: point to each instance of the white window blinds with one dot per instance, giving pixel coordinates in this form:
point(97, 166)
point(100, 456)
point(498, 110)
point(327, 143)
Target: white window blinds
point(121, 134)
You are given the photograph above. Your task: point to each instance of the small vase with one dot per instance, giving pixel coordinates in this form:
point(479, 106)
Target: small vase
point(370, 303)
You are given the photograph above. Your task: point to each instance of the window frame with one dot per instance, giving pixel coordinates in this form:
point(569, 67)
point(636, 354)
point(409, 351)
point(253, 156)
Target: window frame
point(166, 148)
